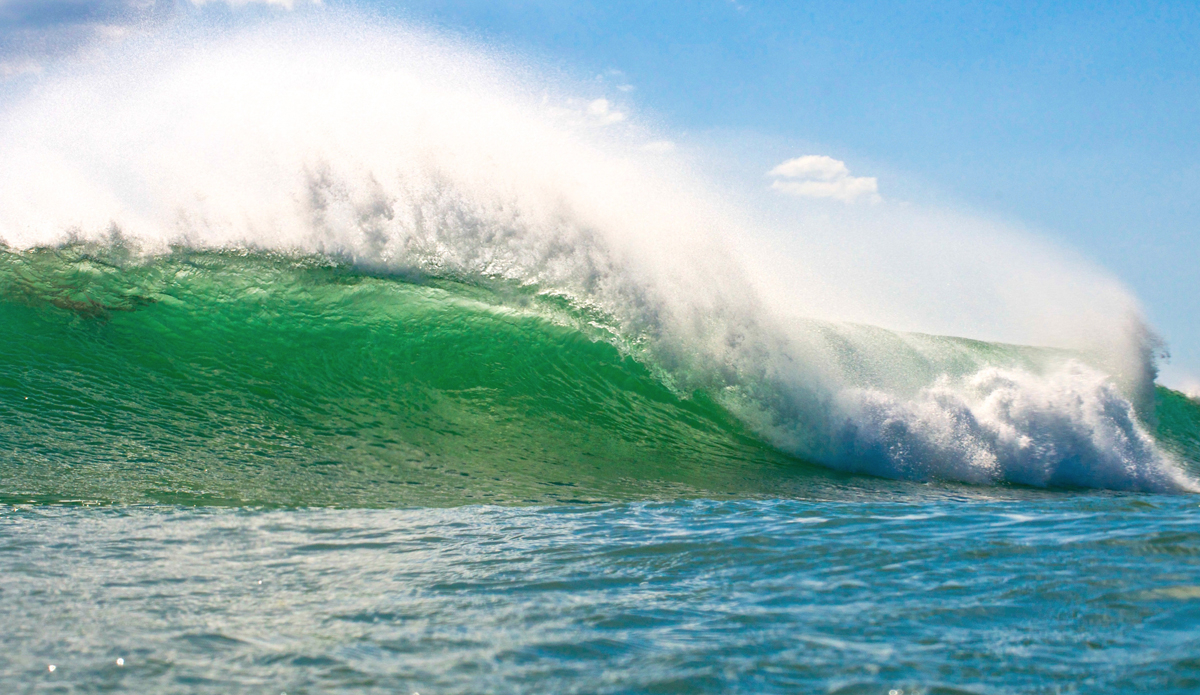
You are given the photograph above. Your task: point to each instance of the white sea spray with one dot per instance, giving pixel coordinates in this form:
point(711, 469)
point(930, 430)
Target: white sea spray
point(404, 152)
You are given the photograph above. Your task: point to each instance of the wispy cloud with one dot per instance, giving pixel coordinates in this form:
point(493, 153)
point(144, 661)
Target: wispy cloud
point(818, 176)
point(603, 111)
point(615, 78)
point(34, 32)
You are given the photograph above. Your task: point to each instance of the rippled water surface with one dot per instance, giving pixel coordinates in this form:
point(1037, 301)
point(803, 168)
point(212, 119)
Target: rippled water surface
point(915, 589)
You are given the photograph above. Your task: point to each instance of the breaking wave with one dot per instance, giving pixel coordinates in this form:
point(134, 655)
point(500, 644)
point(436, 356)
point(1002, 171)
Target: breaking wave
point(295, 251)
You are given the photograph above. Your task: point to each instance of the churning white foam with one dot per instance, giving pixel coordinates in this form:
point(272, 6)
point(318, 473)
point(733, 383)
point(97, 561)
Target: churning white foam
point(406, 152)
point(1070, 427)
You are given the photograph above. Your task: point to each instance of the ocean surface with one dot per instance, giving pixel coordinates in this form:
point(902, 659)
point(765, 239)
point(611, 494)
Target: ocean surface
point(238, 473)
point(334, 358)
point(852, 588)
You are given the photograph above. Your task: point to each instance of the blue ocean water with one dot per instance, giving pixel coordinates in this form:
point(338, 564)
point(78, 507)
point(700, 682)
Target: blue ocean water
point(914, 589)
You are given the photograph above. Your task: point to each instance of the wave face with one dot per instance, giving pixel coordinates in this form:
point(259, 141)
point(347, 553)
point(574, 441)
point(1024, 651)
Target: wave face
point(258, 378)
point(368, 268)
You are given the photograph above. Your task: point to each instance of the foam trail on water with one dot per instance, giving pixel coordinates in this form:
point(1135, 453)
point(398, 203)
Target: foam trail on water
point(407, 153)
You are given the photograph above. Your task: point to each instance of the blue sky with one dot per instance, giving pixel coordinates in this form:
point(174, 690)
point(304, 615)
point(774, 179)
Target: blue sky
point(1080, 121)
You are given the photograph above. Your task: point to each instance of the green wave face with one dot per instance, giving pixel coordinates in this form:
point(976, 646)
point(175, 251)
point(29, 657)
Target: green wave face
point(264, 379)
point(1178, 419)
point(233, 378)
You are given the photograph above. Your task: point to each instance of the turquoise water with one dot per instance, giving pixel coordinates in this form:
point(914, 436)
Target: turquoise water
point(865, 589)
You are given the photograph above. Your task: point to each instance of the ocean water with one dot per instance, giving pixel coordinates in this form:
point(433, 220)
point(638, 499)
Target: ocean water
point(332, 361)
point(856, 589)
point(241, 473)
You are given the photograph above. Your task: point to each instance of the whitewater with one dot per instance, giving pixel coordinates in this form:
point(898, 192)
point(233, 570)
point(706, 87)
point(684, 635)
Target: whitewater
point(495, 394)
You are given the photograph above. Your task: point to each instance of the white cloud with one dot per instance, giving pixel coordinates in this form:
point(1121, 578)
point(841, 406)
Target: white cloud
point(659, 147)
point(812, 166)
point(818, 176)
point(602, 110)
